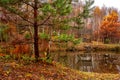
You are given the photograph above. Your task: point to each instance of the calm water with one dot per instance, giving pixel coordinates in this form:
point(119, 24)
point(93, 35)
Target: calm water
point(101, 62)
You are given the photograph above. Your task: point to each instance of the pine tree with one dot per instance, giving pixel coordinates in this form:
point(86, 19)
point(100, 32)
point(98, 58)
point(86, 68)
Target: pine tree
point(37, 13)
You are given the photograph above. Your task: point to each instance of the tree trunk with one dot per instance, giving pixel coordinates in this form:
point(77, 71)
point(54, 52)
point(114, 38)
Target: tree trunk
point(36, 45)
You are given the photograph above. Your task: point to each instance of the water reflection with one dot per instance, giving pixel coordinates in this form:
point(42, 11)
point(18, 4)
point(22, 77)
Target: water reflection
point(86, 62)
point(90, 62)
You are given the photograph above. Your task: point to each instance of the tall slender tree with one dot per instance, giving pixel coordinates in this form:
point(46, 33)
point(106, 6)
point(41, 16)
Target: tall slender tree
point(84, 14)
point(38, 13)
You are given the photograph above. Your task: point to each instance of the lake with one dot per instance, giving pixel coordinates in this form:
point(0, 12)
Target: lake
point(101, 62)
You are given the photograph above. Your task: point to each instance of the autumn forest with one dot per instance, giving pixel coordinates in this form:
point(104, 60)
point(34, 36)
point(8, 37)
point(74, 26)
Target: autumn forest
point(59, 40)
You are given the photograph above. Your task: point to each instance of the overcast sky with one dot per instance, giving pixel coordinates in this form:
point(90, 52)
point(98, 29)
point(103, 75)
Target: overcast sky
point(108, 3)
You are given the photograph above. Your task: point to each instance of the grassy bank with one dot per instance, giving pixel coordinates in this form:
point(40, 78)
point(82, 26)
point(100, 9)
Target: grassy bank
point(100, 47)
point(94, 46)
point(14, 70)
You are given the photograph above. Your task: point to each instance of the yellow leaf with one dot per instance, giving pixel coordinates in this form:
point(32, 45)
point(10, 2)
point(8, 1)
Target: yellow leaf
point(28, 75)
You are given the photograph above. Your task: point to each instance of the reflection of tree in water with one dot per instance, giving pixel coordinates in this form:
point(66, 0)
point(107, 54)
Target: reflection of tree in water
point(63, 59)
point(60, 57)
point(107, 63)
point(67, 60)
point(85, 62)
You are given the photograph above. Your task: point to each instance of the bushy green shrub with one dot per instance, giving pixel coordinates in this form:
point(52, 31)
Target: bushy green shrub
point(65, 37)
point(44, 36)
point(27, 36)
point(65, 27)
point(77, 41)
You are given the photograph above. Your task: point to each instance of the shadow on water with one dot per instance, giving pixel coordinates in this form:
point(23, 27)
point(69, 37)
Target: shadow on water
point(101, 62)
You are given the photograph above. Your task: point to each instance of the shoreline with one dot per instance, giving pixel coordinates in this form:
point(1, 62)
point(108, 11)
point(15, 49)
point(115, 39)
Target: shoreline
point(88, 47)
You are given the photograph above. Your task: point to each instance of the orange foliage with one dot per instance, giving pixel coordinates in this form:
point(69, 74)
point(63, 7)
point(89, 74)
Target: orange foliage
point(1, 54)
point(21, 49)
point(110, 27)
point(97, 11)
point(44, 47)
point(12, 27)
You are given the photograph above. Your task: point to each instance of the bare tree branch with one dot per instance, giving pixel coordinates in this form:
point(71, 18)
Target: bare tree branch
point(25, 19)
point(28, 4)
point(45, 20)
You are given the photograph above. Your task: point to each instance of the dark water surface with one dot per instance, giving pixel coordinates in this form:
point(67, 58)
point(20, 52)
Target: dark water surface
point(101, 62)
